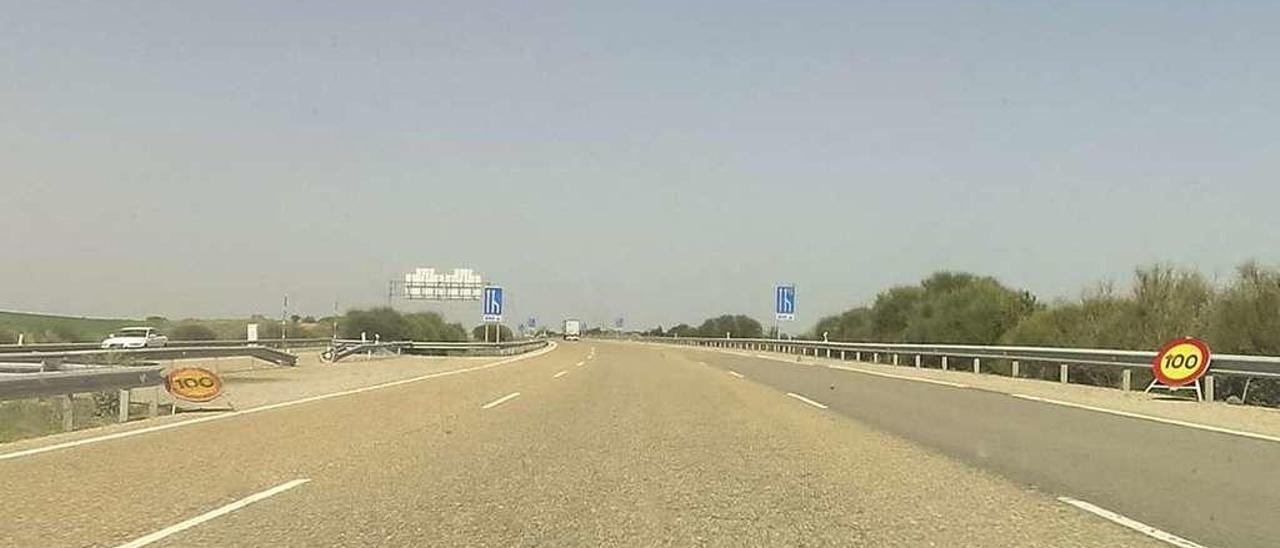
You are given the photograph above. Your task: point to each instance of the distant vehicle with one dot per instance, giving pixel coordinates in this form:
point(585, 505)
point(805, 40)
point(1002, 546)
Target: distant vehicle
point(572, 330)
point(135, 337)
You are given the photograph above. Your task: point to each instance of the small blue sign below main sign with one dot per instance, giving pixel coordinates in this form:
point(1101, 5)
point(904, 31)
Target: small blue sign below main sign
point(785, 302)
point(492, 304)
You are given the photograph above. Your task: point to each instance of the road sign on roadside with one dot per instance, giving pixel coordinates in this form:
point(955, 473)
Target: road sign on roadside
point(193, 384)
point(784, 302)
point(492, 304)
point(1181, 362)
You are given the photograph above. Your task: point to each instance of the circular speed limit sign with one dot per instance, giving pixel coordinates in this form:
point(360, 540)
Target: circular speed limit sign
point(1181, 362)
point(194, 384)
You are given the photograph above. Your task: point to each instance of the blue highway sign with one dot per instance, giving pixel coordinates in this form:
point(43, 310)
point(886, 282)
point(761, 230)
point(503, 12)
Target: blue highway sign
point(785, 302)
point(492, 304)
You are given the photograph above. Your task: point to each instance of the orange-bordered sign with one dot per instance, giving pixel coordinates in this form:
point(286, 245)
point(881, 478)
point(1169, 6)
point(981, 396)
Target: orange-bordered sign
point(194, 384)
point(1181, 362)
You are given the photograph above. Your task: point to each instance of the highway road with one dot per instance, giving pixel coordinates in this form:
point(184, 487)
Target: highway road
point(598, 443)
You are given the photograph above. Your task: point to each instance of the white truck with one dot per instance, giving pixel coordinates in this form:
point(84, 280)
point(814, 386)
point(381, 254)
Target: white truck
point(135, 337)
point(572, 330)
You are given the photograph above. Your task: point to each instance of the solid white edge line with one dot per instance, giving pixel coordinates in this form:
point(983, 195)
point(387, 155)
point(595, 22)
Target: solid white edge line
point(899, 377)
point(736, 374)
point(1131, 523)
point(558, 375)
point(500, 401)
point(1174, 422)
point(212, 514)
point(806, 400)
point(251, 410)
point(580, 364)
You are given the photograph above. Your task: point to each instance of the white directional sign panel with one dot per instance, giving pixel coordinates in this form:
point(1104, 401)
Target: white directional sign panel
point(784, 301)
point(492, 304)
point(461, 284)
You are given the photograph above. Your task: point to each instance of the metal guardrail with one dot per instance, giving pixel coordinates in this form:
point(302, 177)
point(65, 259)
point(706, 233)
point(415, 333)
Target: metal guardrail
point(37, 385)
point(119, 356)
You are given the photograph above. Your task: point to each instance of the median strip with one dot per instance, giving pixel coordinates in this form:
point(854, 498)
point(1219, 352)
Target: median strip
point(806, 400)
point(501, 400)
point(183, 526)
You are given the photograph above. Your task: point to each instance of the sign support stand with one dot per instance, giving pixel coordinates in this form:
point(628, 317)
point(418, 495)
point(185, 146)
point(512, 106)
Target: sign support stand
point(1193, 386)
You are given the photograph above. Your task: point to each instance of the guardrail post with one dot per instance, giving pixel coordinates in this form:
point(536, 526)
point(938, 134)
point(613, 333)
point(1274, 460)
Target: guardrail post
point(1126, 380)
point(842, 354)
point(1013, 368)
point(944, 363)
point(857, 355)
point(895, 359)
point(917, 360)
point(1062, 373)
point(123, 415)
point(1208, 388)
point(875, 358)
point(153, 410)
point(68, 413)
point(977, 365)
point(828, 352)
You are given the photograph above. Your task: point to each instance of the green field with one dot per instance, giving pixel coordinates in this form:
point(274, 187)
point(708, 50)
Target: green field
point(47, 328)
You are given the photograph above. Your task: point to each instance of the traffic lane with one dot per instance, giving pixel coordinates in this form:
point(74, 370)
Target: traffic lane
point(644, 447)
point(117, 490)
point(1138, 468)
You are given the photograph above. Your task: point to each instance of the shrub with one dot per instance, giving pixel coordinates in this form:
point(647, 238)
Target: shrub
point(191, 331)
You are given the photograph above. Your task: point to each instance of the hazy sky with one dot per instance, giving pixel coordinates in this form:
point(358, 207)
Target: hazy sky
point(659, 160)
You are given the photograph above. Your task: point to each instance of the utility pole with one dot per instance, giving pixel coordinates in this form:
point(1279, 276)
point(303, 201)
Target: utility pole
point(284, 316)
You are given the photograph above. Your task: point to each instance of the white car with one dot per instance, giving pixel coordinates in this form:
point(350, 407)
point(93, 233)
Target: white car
point(135, 337)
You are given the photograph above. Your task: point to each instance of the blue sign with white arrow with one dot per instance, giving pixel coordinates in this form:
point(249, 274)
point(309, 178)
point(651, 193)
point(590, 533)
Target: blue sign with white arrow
point(492, 304)
point(785, 302)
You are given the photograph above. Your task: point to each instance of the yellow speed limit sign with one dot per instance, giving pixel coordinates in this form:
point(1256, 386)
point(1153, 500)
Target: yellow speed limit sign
point(1181, 362)
point(194, 384)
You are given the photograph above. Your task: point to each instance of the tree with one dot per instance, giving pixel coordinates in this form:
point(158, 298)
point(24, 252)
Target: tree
point(1245, 318)
point(682, 330)
point(738, 326)
point(391, 325)
point(892, 311)
point(850, 326)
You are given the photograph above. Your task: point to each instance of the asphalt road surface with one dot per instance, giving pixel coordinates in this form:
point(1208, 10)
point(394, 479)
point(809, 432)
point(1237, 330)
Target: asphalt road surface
point(624, 444)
